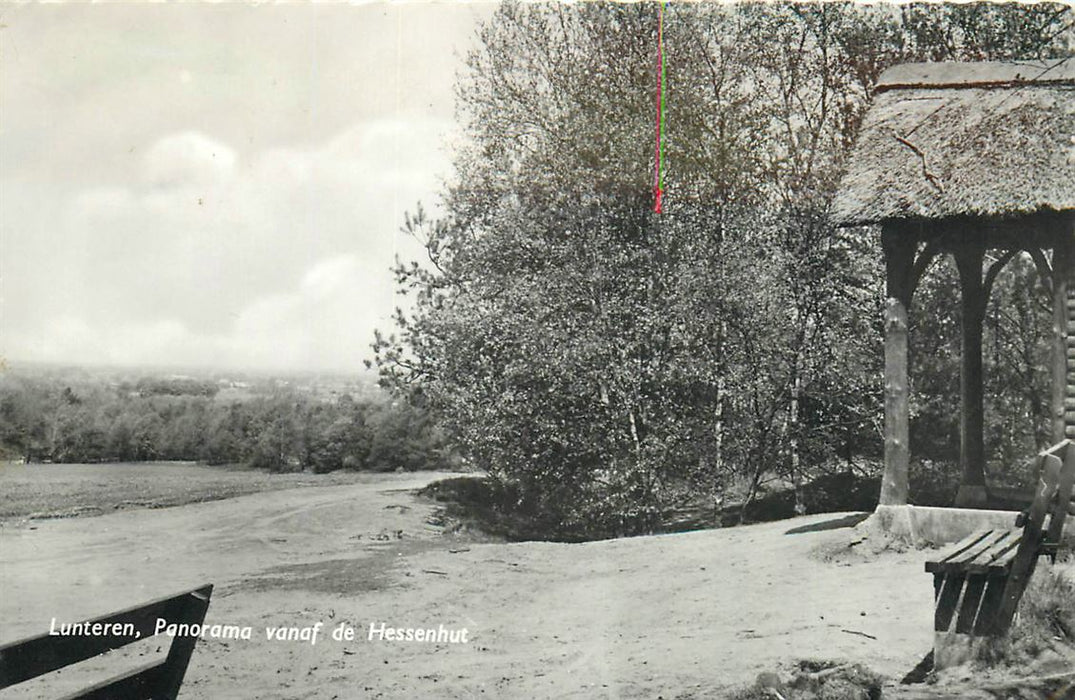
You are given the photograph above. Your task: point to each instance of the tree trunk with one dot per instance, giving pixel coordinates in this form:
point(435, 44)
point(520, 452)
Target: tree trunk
point(899, 247)
point(969, 257)
point(793, 445)
point(718, 429)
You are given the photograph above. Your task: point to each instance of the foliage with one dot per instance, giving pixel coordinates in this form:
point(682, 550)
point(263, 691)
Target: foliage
point(277, 429)
point(603, 362)
point(1015, 358)
point(1050, 603)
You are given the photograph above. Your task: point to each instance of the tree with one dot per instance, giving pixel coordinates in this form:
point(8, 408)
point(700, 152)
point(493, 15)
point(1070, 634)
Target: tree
point(554, 344)
point(593, 355)
point(23, 418)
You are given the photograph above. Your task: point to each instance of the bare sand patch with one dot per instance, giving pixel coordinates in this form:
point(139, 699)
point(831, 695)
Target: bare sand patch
point(691, 615)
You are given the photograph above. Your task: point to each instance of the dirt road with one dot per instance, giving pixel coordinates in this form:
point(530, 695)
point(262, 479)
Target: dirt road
point(670, 616)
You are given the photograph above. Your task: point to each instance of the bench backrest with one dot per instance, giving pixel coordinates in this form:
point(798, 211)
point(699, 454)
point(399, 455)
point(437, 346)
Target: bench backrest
point(1049, 465)
point(36, 656)
point(1031, 544)
point(1065, 485)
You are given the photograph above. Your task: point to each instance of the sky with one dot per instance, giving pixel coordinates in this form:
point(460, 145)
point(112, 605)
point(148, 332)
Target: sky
point(216, 185)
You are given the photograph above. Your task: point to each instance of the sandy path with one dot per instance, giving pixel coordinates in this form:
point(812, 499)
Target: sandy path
point(77, 567)
point(675, 616)
point(672, 616)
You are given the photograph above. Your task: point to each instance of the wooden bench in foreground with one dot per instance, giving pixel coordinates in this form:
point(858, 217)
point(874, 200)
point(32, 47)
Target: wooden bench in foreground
point(160, 679)
point(979, 581)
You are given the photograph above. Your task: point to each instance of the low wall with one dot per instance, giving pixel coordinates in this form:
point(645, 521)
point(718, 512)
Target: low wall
point(939, 526)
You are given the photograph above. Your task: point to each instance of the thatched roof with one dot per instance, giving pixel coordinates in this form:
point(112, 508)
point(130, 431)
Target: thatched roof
point(964, 139)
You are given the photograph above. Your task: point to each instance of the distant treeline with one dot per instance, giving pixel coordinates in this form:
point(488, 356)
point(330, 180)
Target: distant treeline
point(273, 427)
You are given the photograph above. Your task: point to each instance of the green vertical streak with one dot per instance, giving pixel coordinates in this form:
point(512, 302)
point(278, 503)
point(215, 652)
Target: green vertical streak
point(660, 166)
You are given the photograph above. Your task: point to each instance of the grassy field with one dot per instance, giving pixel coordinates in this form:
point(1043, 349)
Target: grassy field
point(31, 491)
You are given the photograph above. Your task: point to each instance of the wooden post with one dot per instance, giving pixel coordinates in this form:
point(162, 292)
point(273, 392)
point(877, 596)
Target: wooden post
point(1063, 355)
point(969, 256)
point(899, 245)
point(182, 648)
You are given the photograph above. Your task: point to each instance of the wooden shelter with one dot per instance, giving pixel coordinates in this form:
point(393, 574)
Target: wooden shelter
point(976, 161)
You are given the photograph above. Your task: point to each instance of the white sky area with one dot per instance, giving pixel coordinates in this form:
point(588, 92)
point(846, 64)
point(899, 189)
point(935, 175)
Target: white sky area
point(216, 185)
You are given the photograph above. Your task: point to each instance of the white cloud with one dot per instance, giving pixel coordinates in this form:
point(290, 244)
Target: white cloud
point(326, 322)
point(171, 173)
point(71, 339)
point(280, 260)
point(188, 158)
point(323, 323)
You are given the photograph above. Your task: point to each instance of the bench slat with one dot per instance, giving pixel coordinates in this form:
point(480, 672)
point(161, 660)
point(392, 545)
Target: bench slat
point(138, 684)
point(963, 545)
point(1003, 560)
point(982, 553)
point(987, 551)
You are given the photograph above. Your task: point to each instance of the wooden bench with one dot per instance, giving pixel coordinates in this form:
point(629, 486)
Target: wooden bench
point(979, 581)
point(160, 679)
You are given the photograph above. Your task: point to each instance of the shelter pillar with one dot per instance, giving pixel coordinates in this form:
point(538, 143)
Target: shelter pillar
point(899, 246)
point(1063, 361)
point(969, 255)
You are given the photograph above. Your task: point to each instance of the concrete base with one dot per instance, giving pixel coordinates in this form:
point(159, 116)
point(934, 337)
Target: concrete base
point(922, 525)
point(971, 496)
